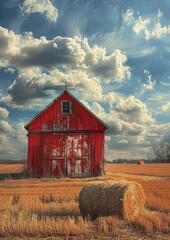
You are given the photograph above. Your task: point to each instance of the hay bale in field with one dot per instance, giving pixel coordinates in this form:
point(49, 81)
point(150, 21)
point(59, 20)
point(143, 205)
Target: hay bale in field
point(141, 162)
point(115, 197)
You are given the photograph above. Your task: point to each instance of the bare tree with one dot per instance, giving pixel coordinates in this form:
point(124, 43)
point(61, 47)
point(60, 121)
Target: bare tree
point(162, 152)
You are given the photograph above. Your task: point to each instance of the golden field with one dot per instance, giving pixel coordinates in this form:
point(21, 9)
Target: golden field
point(149, 169)
point(11, 168)
point(48, 208)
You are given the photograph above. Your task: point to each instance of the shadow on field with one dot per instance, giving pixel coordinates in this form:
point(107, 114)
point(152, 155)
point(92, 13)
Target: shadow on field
point(20, 175)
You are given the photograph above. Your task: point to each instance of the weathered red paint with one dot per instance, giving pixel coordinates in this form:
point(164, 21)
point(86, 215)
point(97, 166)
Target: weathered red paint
point(61, 144)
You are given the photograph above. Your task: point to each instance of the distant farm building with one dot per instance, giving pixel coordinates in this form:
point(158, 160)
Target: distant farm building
point(66, 139)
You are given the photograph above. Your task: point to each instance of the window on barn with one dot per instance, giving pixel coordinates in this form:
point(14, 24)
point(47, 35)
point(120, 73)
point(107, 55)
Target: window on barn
point(66, 107)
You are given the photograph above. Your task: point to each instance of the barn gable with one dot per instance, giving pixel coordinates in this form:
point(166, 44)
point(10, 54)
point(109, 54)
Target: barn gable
point(53, 119)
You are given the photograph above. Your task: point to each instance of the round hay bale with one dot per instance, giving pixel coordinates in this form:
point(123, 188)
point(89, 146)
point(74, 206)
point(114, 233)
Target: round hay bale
point(141, 162)
point(118, 197)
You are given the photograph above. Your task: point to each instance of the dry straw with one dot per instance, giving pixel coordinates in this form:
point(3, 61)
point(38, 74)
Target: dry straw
point(118, 197)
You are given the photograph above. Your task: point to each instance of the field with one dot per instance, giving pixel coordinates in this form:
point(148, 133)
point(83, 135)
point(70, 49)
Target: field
point(149, 169)
point(48, 208)
point(11, 168)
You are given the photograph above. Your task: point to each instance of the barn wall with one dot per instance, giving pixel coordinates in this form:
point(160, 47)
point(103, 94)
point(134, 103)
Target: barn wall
point(34, 154)
point(97, 153)
point(72, 155)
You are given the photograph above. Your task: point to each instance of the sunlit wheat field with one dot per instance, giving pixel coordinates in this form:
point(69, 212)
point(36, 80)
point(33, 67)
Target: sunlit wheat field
point(49, 208)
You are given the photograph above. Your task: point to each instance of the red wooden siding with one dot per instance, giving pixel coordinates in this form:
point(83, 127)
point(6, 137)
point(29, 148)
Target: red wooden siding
point(52, 118)
point(66, 144)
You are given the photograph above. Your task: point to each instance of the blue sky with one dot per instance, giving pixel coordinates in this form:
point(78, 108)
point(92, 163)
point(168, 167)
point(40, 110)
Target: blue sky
point(116, 54)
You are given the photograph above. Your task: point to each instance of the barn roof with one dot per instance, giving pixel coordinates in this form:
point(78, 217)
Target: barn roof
point(26, 126)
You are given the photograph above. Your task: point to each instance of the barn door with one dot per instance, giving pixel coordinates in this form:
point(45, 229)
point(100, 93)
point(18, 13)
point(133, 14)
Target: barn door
point(54, 154)
point(78, 162)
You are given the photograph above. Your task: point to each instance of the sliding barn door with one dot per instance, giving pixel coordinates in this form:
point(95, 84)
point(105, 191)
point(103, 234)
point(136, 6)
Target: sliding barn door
point(78, 153)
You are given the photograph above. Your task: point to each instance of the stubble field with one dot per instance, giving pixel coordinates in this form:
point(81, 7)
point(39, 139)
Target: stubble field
point(48, 207)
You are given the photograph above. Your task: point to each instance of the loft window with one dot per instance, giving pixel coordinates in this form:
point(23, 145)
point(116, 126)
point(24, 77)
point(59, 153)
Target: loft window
point(66, 107)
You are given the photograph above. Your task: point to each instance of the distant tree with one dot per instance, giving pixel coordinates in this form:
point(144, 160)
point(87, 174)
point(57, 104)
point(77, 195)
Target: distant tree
point(161, 152)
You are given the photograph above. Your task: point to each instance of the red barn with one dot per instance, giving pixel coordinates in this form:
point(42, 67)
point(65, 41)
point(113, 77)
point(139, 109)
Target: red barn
point(66, 139)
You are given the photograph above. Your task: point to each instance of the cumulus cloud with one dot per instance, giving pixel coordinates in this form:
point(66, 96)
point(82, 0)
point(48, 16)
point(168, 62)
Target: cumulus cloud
point(134, 110)
point(25, 51)
point(5, 127)
point(110, 97)
point(166, 107)
point(40, 6)
point(98, 110)
point(28, 89)
point(150, 27)
point(80, 65)
point(117, 126)
point(4, 112)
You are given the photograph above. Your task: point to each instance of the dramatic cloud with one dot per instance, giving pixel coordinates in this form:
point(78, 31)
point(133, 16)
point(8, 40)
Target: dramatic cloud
point(150, 27)
point(4, 112)
point(117, 126)
point(133, 110)
point(26, 51)
point(40, 6)
point(29, 89)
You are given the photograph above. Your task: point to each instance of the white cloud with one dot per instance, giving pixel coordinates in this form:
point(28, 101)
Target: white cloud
point(150, 27)
point(166, 107)
point(83, 66)
point(98, 110)
point(149, 85)
point(4, 112)
point(140, 25)
point(5, 127)
point(40, 6)
point(123, 141)
point(13, 143)
point(164, 83)
point(24, 51)
point(134, 110)
point(157, 32)
point(28, 89)
point(128, 16)
point(159, 14)
point(110, 97)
